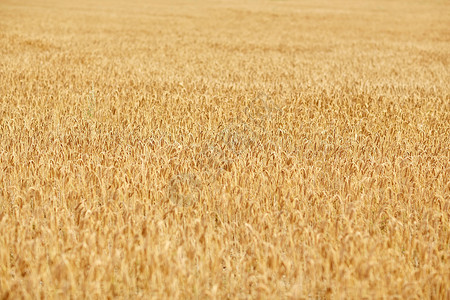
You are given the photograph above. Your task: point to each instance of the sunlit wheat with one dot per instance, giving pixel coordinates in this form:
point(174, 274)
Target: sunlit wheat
point(224, 149)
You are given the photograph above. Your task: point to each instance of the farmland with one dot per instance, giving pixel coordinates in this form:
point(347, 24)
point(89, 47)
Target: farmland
point(224, 149)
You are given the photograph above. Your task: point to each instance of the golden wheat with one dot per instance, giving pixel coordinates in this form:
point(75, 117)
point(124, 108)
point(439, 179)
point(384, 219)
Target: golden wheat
point(224, 149)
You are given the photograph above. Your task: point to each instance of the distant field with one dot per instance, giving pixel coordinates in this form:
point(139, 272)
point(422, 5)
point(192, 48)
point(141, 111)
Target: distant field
point(225, 149)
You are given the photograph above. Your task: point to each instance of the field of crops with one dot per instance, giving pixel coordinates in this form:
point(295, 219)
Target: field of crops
point(224, 149)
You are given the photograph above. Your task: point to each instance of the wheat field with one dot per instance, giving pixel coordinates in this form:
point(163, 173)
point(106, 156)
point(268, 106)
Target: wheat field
point(224, 149)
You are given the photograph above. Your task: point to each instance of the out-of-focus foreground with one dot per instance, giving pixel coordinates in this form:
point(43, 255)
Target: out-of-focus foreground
point(266, 149)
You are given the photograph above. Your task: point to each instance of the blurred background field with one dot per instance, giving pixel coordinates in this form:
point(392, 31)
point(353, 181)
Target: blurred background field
point(224, 149)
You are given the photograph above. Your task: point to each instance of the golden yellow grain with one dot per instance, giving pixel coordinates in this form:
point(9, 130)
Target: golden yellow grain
point(224, 149)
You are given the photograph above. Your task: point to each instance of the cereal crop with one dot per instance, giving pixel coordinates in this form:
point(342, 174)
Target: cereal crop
point(224, 149)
